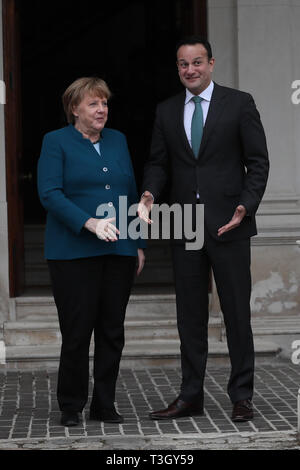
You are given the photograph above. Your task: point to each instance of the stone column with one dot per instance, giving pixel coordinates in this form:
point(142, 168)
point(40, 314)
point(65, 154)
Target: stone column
point(4, 280)
point(222, 34)
point(257, 46)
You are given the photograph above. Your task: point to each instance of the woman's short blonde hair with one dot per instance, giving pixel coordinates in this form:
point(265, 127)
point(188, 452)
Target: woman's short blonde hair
point(76, 92)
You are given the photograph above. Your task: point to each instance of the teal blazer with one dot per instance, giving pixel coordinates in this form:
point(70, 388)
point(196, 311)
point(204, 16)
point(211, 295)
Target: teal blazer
point(73, 180)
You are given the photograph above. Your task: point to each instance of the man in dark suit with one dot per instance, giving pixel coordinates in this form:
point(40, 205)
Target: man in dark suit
point(210, 143)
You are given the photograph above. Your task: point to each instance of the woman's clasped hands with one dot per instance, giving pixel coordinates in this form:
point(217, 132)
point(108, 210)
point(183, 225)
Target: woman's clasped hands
point(103, 228)
point(106, 230)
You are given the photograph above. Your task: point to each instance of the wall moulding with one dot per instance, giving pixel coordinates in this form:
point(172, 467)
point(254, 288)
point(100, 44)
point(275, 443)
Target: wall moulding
point(277, 205)
point(278, 221)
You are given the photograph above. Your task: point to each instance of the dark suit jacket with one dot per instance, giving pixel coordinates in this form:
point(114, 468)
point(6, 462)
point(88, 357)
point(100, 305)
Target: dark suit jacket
point(232, 165)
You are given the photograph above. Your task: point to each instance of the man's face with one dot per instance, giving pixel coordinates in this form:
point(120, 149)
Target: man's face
point(194, 68)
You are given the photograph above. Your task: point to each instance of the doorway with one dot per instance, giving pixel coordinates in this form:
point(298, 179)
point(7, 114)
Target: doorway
point(130, 44)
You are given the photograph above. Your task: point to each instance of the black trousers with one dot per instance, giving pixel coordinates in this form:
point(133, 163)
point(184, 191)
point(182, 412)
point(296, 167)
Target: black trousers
point(230, 262)
point(91, 295)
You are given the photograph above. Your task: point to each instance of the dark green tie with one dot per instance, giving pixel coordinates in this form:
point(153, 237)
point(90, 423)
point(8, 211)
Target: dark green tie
point(197, 125)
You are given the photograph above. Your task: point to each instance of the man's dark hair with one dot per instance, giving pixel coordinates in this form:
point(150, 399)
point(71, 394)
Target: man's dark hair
point(192, 40)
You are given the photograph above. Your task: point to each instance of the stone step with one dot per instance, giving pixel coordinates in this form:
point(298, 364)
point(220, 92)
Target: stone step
point(153, 327)
point(156, 306)
point(276, 325)
point(136, 354)
point(273, 326)
point(33, 333)
point(43, 308)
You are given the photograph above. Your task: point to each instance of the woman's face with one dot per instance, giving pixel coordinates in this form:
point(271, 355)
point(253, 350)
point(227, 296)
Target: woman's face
point(91, 113)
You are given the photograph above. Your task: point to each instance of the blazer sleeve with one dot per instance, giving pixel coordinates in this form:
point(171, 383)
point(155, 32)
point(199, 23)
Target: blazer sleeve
point(156, 171)
point(50, 186)
point(255, 156)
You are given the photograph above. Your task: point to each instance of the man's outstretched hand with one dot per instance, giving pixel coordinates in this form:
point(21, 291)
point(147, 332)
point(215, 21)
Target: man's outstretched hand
point(145, 206)
point(237, 218)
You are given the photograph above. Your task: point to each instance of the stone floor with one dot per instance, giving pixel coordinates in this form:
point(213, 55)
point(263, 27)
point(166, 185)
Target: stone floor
point(29, 411)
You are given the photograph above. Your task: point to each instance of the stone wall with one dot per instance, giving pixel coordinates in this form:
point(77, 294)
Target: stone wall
point(256, 44)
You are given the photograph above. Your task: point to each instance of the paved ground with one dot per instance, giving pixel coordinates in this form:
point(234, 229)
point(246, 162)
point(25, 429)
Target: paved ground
point(29, 415)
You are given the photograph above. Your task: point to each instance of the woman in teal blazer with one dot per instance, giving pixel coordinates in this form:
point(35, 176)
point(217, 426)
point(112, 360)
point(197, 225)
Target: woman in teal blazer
point(82, 167)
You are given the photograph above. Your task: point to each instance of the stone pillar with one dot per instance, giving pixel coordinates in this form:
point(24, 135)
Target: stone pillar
point(223, 34)
point(256, 45)
point(4, 280)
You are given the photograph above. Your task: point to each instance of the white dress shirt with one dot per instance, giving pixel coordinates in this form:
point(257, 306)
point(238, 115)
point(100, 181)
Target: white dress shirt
point(97, 147)
point(189, 108)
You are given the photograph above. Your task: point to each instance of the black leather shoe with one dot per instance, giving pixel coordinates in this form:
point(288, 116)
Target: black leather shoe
point(107, 415)
point(178, 409)
point(69, 418)
point(242, 411)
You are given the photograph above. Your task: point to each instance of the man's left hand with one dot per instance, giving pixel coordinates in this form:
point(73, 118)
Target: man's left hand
point(141, 261)
point(237, 218)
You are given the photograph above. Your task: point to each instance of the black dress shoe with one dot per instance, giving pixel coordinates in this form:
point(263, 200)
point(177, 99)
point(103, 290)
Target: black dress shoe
point(107, 415)
point(178, 409)
point(242, 411)
point(69, 418)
